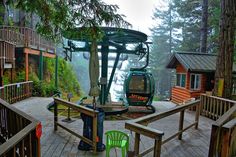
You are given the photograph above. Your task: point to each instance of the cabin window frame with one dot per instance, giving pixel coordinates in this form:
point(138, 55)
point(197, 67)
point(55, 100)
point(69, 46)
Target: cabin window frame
point(181, 81)
point(195, 82)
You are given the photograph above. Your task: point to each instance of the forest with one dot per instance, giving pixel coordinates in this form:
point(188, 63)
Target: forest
point(186, 26)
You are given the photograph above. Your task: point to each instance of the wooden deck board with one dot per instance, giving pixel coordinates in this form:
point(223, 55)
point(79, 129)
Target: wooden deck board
point(195, 143)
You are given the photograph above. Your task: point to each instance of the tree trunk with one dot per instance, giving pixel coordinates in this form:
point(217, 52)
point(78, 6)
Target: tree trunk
point(203, 37)
point(224, 65)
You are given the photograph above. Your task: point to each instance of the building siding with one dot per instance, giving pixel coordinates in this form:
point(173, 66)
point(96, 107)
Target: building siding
point(180, 95)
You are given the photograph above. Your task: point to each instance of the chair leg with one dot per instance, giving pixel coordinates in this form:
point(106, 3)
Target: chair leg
point(107, 151)
point(123, 149)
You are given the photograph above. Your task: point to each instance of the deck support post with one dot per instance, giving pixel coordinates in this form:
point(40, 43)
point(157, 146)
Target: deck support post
point(56, 72)
point(157, 147)
point(11, 79)
point(181, 124)
point(1, 77)
point(198, 108)
point(136, 144)
point(41, 66)
point(26, 65)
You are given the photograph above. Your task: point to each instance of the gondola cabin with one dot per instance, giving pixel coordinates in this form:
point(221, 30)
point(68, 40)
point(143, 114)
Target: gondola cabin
point(194, 75)
point(139, 87)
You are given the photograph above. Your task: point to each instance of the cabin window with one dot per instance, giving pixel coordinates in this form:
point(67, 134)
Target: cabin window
point(195, 80)
point(181, 79)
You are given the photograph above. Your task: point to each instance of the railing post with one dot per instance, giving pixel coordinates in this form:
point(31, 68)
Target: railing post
point(55, 116)
point(197, 114)
point(181, 124)
point(136, 144)
point(157, 147)
point(213, 142)
point(95, 121)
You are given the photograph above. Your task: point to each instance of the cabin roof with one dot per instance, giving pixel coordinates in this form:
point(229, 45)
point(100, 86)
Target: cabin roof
point(192, 61)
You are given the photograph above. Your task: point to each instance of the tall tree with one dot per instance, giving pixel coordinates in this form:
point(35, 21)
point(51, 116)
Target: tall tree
point(165, 38)
point(204, 28)
point(188, 20)
point(224, 65)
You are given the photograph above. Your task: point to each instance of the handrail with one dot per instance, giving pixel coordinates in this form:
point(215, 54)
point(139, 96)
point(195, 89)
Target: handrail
point(18, 83)
point(90, 112)
point(16, 91)
point(138, 127)
point(25, 137)
point(26, 36)
point(81, 109)
point(156, 116)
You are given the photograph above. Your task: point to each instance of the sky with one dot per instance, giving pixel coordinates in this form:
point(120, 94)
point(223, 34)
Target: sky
point(138, 12)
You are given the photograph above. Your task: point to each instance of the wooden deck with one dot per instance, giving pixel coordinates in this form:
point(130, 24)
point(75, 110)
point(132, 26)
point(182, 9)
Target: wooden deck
point(195, 143)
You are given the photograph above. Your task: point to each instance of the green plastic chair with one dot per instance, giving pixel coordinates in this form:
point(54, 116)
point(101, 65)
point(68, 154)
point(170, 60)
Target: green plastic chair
point(118, 139)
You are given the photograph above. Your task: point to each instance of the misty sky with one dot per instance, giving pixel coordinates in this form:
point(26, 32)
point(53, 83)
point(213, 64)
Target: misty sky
point(138, 12)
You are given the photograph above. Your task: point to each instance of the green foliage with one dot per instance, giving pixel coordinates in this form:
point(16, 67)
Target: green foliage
point(67, 79)
point(20, 76)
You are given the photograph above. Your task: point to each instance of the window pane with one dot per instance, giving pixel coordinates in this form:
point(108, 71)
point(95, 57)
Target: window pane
point(192, 81)
point(178, 80)
point(183, 80)
point(197, 81)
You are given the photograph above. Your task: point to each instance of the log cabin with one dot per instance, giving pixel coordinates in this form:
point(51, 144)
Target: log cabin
point(194, 75)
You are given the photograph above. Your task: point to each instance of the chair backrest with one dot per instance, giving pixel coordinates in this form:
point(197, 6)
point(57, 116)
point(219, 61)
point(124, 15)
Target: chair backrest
point(116, 137)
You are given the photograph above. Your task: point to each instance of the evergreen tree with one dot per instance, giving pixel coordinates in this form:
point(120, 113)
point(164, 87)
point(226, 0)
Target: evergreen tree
point(165, 41)
point(204, 27)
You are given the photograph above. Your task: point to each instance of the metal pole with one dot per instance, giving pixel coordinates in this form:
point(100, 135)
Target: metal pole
point(103, 81)
point(112, 75)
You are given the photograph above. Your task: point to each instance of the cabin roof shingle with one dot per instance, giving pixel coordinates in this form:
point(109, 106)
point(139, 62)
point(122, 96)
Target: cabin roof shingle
point(196, 62)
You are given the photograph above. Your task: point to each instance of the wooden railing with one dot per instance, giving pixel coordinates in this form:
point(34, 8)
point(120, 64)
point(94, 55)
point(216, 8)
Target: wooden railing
point(139, 126)
point(223, 135)
point(19, 133)
point(7, 54)
point(27, 37)
point(16, 91)
point(214, 107)
point(89, 112)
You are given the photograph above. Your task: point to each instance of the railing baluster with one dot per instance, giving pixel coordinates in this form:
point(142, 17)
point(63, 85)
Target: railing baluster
point(30, 146)
point(181, 124)
point(22, 148)
point(55, 117)
point(136, 143)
